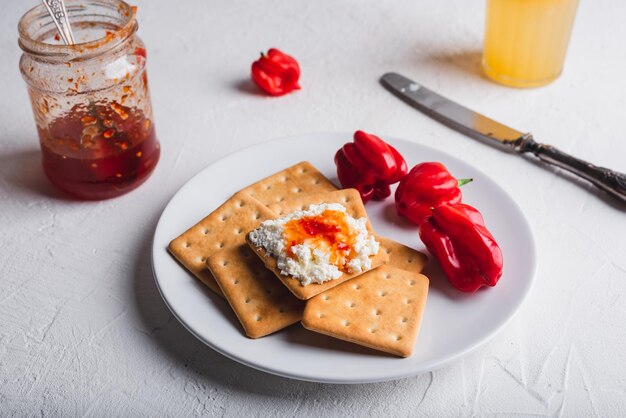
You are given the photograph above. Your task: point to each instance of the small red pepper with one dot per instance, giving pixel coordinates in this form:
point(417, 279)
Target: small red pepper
point(369, 165)
point(276, 73)
point(467, 252)
point(426, 186)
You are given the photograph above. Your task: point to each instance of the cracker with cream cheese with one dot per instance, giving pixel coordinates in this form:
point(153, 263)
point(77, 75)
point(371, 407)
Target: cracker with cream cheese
point(400, 255)
point(348, 198)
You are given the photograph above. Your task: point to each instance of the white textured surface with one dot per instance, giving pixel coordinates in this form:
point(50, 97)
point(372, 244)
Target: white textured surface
point(83, 329)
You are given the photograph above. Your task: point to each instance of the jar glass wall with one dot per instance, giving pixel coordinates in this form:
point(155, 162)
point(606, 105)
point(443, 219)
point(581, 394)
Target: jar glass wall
point(90, 100)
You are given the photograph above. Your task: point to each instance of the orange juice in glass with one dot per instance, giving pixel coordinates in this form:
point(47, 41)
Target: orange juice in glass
point(526, 40)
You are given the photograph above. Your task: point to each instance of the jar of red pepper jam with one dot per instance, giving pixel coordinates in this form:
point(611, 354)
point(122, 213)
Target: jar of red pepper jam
point(90, 100)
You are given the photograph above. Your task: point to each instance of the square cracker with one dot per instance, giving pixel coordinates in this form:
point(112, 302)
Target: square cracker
point(225, 227)
point(349, 198)
point(401, 256)
point(381, 309)
point(298, 180)
point(194, 246)
point(261, 303)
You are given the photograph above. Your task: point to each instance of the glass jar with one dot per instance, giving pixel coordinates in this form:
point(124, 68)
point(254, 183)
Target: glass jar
point(90, 100)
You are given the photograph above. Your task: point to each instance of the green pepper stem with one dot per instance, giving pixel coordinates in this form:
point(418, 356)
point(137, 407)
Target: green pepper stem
point(462, 182)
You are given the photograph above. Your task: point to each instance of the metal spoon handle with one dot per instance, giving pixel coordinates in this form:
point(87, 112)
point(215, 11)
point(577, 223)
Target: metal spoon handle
point(58, 13)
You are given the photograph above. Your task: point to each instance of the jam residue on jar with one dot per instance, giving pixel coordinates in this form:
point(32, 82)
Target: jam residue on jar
point(328, 231)
point(99, 150)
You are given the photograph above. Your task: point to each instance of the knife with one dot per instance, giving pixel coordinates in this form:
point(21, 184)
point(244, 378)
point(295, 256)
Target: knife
point(488, 130)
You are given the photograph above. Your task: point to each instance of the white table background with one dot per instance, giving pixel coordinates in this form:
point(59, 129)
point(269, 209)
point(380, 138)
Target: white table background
point(83, 329)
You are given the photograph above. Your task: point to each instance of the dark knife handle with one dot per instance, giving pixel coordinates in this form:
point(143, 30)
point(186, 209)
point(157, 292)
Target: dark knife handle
point(610, 181)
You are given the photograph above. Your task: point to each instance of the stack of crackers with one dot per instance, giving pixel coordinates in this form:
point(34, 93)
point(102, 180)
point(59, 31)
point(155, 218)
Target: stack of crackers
point(381, 308)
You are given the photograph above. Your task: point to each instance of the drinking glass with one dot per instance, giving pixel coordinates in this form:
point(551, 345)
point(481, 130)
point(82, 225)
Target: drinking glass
point(526, 40)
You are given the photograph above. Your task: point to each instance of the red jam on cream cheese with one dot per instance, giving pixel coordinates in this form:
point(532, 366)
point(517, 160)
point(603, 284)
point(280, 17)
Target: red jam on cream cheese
point(317, 244)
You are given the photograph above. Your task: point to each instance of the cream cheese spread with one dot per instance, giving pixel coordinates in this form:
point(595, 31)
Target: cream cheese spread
point(317, 244)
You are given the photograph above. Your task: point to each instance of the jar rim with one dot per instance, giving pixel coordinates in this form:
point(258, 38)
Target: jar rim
point(30, 45)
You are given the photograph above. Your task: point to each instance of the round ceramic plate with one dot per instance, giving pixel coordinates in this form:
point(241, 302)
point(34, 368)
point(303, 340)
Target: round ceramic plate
point(454, 323)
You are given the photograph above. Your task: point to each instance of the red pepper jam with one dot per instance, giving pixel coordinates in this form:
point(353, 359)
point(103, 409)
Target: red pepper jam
point(328, 232)
point(99, 151)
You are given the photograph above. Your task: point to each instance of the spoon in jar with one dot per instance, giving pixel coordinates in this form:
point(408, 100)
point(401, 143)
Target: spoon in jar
point(58, 13)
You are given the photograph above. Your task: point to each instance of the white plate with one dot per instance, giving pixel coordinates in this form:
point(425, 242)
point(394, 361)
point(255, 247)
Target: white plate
point(454, 323)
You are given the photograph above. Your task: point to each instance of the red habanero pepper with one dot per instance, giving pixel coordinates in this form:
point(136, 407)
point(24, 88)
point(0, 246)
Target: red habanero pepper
point(369, 165)
point(276, 73)
point(469, 255)
point(426, 186)
point(467, 252)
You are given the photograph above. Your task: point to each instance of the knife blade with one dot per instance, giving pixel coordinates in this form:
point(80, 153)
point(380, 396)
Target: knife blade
point(487, 130)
